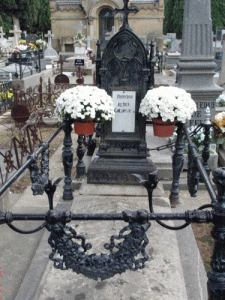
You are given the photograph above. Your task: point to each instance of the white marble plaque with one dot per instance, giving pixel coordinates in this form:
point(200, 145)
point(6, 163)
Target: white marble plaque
point(125, 111)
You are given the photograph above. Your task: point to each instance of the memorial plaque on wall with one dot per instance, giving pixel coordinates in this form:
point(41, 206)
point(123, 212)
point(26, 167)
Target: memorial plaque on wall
point(125, 102)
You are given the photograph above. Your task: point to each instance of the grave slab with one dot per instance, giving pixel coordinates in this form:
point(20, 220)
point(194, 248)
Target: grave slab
point(162, 278)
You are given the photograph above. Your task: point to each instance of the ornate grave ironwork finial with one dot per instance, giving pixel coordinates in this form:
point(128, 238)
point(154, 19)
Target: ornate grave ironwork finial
point(125, 11)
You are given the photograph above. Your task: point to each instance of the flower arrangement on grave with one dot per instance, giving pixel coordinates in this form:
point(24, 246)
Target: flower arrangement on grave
point(219, 131)
point(79, 38)
point(23, 46)
point(165, 106)
point(6, 94)
point(41, 44)
point(220, 101)
point(89, 52)
point(85, 104)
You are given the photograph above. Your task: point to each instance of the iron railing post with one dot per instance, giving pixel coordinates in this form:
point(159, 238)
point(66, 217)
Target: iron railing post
point(178, 160)
point(91, 146)
point(151, 66)
point(80, 154)
point(216, 276)
point(98, 62)
point(67, 157)
point(206, 150)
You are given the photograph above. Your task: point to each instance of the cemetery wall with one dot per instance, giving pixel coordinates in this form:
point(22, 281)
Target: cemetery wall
point(65, 18)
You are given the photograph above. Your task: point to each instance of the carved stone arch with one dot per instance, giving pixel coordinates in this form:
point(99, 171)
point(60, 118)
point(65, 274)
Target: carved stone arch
point(99, 5)
point(94, 15)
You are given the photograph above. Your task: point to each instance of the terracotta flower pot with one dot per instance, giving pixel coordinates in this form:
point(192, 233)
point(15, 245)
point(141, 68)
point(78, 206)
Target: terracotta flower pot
point(163, 129)
point(85, 128)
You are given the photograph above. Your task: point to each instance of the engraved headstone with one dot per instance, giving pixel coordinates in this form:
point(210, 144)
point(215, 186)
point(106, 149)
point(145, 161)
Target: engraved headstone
point(124, 74)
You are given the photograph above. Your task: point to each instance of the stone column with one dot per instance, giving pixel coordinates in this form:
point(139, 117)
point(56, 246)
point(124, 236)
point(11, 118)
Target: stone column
point(196, 67)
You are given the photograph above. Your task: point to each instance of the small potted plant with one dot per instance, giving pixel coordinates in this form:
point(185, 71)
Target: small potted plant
point(165, 106)
point(85, 105)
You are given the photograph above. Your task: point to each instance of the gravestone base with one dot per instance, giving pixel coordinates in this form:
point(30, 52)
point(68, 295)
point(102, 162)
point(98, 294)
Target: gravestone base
point(118, 170)
point(69, 65)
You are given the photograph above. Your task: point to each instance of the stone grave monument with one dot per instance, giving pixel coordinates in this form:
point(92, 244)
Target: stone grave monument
point(50, 54)
point(173, 54)
point(124, 75)
point(80, 50)
point(196, 67)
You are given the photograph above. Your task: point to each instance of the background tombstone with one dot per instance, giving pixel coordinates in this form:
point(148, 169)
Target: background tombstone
point(80, 27)
point(31, 38)
point(124, 75)
point(17, 34)
point(196, 67)
point(3, 41)
point(171, 37)
point(50, 54)
point(218, 43)
point(221, 81)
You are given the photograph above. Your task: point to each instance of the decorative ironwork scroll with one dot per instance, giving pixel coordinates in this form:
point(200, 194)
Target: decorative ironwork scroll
point(122, 256)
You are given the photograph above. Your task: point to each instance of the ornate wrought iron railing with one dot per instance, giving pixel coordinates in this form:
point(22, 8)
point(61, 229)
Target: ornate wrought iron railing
point(70, 250)
point(16, 148)
point(40, 99)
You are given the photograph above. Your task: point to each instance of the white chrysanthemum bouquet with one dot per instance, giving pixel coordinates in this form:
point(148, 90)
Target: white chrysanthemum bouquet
point(83, 103)
point(168, 103)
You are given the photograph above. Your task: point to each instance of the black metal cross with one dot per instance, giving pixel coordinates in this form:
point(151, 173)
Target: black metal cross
point(126, 11)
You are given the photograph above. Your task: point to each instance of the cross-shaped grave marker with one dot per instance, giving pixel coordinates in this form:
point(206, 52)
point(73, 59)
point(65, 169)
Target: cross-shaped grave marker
point(126, 11)
point(61, 78)
point(17, 34)
point(49, 35)
point(60, 62)
point(88, 39)
point(1, 35)
point(80, 27)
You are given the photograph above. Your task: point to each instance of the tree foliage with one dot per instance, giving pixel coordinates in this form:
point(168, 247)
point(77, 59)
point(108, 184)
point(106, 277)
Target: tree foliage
point(44, 22)
point(218, 14)
point(33, 15)
point(174, 10)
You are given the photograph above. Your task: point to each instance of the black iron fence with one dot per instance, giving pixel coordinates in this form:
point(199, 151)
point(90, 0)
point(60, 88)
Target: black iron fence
point(40, 100)
point(26, 61)
point(70, 250)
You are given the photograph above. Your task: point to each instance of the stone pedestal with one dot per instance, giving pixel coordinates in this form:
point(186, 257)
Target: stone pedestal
point(171, 60)
point(69, 66)
point(196, 67)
